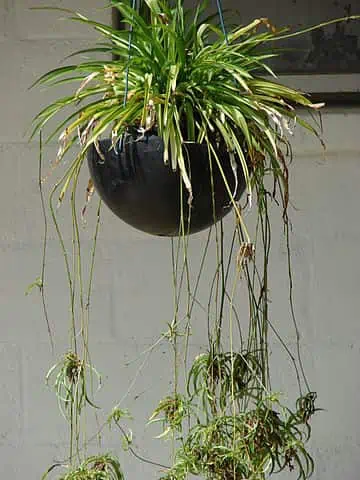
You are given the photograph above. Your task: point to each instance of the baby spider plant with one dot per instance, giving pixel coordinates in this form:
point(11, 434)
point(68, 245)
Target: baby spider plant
point(96, 467)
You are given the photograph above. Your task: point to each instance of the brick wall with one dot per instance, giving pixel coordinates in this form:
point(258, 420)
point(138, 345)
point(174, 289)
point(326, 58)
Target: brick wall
point(132, 301)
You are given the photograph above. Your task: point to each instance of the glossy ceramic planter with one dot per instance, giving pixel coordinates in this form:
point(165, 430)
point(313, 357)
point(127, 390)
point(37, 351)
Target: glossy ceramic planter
point(145, 193)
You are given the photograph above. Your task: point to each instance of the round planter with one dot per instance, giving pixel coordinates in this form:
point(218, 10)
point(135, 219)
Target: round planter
point(145, 193)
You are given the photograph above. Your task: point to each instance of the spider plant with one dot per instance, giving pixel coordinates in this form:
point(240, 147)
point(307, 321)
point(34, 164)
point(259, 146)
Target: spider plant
point(96, 467)
point(248, 441)
point(174, 410)
point(247, 445)
point(70, 383)
point(183, 77)
point(219, 378)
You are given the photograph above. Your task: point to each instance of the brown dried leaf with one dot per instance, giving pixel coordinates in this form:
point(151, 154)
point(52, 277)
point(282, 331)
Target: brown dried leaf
point(89, 193)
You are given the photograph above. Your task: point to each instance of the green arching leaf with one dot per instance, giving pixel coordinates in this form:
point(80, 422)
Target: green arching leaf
point(190, 121)
point(86, 67)
point(101, 48)
point(84, 113)
point(128, 115)
point(36, 283)
point(147, 93)
point(242, 31)
point(316, 27)
point(155, 6)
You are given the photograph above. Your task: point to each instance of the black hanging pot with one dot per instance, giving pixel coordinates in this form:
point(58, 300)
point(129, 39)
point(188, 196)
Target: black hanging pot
point(140, 189)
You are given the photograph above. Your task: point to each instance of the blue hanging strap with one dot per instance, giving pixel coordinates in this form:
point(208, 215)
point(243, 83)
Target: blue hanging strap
point(222, 22)
point(133, 5)
point(126, 91)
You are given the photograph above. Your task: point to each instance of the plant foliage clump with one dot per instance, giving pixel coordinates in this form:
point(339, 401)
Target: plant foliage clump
point(96, 467)
point(237, 431)
point(181, 76)
point(70, 383)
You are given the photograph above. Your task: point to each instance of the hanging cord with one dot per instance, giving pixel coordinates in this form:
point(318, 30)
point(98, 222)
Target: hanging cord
point(222, 22)
point(133, 6)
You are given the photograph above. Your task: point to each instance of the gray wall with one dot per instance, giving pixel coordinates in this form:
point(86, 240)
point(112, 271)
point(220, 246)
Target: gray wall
point(132, 300)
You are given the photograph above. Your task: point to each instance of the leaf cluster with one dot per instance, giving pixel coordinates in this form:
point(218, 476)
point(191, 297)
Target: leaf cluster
point(69, 380)
point(172, 411)
point(235, 439)
point(96, 467)
point(180, 76)
point(223, 377)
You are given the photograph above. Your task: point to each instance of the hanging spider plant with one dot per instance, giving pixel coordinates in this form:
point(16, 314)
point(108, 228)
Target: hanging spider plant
point(70, 384)
point(236, 432)
point(184, 78)
point(96, 467)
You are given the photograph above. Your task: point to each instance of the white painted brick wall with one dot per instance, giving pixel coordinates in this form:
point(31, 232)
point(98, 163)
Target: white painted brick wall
point(132, 301)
